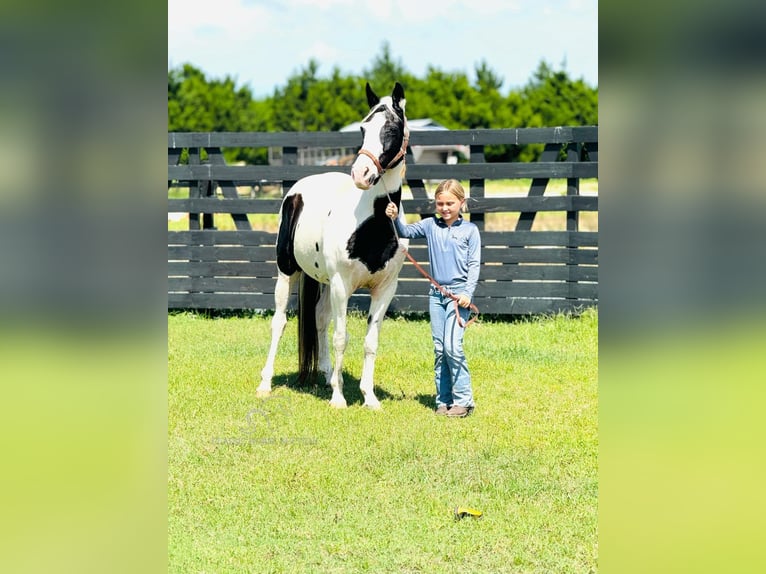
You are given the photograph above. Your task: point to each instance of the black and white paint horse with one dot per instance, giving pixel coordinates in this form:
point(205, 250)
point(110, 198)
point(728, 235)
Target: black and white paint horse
point(334, 238)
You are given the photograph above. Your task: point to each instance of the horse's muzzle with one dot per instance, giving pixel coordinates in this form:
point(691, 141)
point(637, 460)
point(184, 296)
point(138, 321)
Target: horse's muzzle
point(364, 177)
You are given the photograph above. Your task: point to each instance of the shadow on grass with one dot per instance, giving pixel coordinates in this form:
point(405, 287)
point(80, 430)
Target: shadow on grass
point(427, 401)
point(316, 387)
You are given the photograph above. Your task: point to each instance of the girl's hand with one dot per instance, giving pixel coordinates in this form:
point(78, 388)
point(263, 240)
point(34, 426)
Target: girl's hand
point(391, 210)
point(463, 300)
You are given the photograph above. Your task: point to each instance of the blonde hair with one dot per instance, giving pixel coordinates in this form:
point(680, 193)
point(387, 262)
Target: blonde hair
point(454, 187)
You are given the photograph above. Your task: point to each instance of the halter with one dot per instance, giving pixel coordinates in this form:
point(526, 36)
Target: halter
point(402, 152)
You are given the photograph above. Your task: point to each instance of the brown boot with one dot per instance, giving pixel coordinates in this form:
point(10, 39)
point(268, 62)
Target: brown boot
point(458, 412)
point(442, 410)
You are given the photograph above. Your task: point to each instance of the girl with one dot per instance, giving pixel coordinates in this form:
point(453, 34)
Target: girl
point(454, 253)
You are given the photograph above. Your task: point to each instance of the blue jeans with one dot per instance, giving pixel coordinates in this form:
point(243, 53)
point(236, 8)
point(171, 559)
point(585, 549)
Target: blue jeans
point(453, 381)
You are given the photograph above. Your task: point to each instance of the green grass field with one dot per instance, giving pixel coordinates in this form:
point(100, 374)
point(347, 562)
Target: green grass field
point(288, 484)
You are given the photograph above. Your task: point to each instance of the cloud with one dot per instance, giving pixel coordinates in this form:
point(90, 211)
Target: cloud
point(582, 5)
point(263, 42)
point(190, 21)
point(290, 5)
point(425, 11)
point(320, 51)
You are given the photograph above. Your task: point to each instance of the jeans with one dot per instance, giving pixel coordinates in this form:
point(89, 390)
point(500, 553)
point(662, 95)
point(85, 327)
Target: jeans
point(453, 381)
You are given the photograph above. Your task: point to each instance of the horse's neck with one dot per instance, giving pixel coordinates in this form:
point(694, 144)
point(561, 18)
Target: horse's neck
point(391, 181)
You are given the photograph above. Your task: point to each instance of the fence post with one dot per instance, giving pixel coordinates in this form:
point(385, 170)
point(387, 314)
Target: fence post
point(289, 157)
point(208, 221)
point(573, 186)
point(417, 186)
point(229, 189)
point(573, 219)
point(476, 186)
point(194, 189)
point(537, 188)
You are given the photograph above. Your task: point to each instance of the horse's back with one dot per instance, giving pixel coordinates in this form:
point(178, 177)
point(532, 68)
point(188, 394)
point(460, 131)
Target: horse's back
point(324, 189)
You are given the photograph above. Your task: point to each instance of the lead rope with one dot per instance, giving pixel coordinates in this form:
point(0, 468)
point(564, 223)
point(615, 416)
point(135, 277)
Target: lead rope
point(473, 308)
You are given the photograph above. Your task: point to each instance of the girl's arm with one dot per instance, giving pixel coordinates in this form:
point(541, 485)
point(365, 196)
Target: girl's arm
point(411, 231)
point(474, 261)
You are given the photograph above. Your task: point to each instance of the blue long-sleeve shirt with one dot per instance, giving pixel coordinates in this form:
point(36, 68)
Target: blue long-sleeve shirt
point(454, 251)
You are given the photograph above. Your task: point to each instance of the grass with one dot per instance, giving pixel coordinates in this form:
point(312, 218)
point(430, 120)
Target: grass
point(288, 484)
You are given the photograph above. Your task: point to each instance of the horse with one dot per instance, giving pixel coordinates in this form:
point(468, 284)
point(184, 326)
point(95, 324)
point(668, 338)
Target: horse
point(334, 238)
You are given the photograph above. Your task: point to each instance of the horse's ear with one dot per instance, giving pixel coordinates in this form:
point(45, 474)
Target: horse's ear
point(372, 99)
point(398, 93)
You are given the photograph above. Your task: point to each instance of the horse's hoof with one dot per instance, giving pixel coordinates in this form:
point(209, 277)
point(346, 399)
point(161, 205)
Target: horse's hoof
point(374, 406)
point(261, 394)
point(338, 404)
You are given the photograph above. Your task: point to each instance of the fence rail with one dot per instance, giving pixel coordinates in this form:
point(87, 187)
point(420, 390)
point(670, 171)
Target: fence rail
point(524, 271)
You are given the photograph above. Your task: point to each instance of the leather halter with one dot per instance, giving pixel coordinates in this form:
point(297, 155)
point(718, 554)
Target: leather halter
point(402, 152)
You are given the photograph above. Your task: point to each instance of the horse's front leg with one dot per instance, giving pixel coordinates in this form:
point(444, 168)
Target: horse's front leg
point(281, 297)
point(339, 298)
point(379, 301)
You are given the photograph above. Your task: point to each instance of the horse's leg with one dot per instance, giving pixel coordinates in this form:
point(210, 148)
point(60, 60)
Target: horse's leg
point(380, 298)
point(339, 299)
point(282, 292)
point(323, 314)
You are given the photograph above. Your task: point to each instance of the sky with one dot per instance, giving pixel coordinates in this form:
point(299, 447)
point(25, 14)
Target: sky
point(261, 43)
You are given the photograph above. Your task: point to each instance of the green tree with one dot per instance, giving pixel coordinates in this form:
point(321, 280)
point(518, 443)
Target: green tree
point(196, 104)
point(553, 99)
point(492, 109)
point(486, 80)
point(309, 102)
point(385, 72)
point(549, 99)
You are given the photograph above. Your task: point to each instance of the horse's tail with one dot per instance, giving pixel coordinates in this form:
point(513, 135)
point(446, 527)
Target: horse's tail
point(292, 206)
point(308, 341)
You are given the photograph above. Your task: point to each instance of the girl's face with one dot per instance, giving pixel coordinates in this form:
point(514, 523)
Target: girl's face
point(448, 206)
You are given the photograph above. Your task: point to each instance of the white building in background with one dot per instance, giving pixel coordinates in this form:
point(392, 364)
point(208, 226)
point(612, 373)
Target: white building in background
point(449, 154)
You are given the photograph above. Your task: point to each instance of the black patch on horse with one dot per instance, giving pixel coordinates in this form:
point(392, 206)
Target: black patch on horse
point(374, 242)
point(392, 138)
point(292, 207)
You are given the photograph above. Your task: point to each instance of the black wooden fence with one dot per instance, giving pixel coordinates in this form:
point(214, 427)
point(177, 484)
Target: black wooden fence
point(524, 271)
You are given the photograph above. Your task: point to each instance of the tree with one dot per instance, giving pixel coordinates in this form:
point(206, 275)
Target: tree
point(196, 104)
point(555, 100)
point(384, 72)
point(549, 99)
point(487, 81)
point(308, 102)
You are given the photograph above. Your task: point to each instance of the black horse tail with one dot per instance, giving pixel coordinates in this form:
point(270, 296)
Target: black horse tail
point(292, 206)
point(308, 341)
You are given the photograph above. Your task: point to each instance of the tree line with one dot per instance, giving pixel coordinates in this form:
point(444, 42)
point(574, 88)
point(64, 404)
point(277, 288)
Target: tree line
point(308, 102)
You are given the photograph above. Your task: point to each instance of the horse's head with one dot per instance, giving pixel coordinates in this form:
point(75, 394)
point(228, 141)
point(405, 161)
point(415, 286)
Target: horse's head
point(385, 137)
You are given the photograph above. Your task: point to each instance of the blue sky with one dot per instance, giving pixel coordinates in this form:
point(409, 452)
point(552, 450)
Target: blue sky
point(260, 43)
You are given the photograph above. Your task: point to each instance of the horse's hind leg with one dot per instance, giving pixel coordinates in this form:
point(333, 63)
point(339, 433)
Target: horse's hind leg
point(339, 300)
point(281, 297)
point(323, 315)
